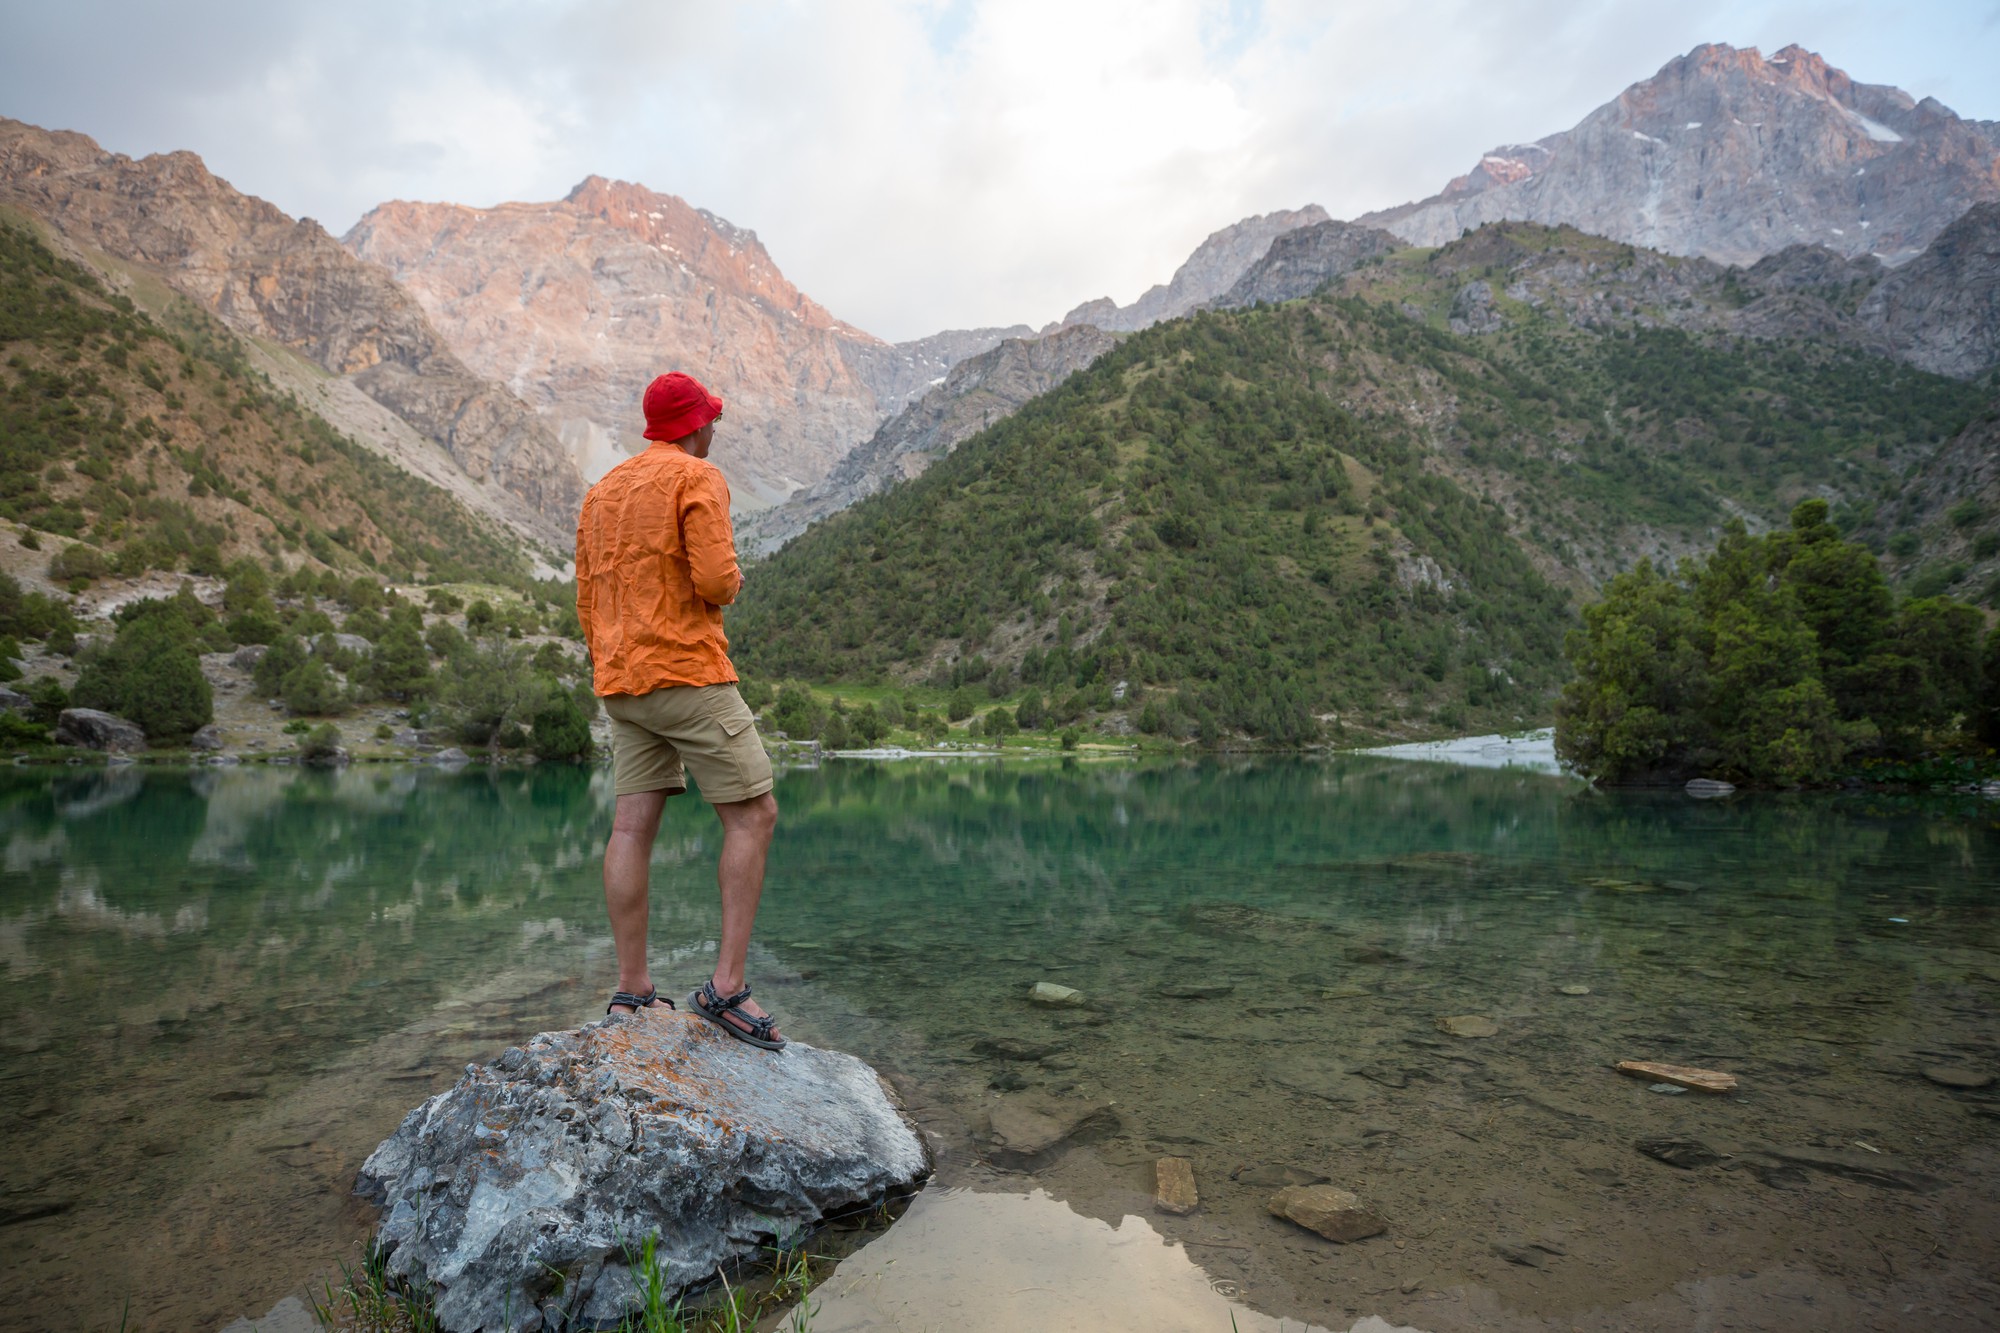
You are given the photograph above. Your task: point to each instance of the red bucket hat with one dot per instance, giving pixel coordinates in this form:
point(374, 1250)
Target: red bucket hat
point(678, 405)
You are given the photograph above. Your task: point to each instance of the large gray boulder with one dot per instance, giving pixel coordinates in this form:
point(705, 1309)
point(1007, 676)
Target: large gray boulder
point(94, 730)
point(522, 1196)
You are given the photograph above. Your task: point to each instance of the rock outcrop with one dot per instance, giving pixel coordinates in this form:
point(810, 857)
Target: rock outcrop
point(285, 280)
point(1216, 265)
point(1299, 263)
point(93, 729)
point(900, 373)
point(1729, 155)
point(577, 304)
point(1941, 311)
point(978, 392)
point(527, 1192)
point(1953, 504)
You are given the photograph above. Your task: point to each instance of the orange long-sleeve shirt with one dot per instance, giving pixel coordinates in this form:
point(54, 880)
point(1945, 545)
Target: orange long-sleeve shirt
point(655, 565)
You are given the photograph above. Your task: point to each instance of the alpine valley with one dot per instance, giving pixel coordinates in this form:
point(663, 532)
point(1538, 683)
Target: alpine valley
point(1330, 479)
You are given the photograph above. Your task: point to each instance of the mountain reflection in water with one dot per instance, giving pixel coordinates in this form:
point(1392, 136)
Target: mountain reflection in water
point(223, 987)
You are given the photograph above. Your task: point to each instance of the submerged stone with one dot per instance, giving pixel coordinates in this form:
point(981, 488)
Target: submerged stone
point(1013, 1048)
point(1335, 1213)
point(1468, 1025)
point(1026, 1134)
point(1173, 1187)
point(1687, 1154)
point(1197, 990)
point(1953, 1076)
point(522, 1197)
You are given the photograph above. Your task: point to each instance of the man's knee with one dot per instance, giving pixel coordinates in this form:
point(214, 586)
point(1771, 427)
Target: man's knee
point(757, 816)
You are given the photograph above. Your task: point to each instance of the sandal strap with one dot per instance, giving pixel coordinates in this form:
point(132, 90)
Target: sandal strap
point(713, 1001)
point(712, 998)
point(625, 997)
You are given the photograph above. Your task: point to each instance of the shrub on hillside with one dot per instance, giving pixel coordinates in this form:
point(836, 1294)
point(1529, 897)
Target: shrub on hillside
point(249, 587)
point(150, 673)
point(255, 625)
point(78, 566)
point(866, 724)
point(310, 689)
point(443, 639)
point(307, 621)
point(321, 745)
point(30, 615)
point(837, 735)
point(1032, 711)
point(285, 655)
point(561, 726)
point(797, 713)
point(486, 688)
point(400, 667)
point(17, 730)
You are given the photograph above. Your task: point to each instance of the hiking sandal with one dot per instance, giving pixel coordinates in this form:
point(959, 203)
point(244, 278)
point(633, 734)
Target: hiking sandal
point(710, 1004)
point(638, 1002)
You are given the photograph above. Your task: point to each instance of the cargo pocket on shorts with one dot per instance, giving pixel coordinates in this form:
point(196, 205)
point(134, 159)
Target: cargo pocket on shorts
point(735, 717)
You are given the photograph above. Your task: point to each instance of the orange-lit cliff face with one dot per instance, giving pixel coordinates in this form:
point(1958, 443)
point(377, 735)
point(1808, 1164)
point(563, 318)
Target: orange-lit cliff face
point(1733, 156)
point(577, 304)
point(285, 280)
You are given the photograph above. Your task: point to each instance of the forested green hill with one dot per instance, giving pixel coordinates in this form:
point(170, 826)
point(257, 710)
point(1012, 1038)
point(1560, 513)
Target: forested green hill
point(1331, 517)
point(155, 446)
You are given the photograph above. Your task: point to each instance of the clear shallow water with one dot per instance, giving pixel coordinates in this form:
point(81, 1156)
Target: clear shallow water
point(223, 988)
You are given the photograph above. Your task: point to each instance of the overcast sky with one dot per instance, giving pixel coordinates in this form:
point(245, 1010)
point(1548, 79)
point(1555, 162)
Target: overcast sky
point(911, 164)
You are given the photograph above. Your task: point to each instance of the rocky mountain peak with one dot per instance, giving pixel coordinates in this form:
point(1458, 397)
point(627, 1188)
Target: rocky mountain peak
point(1214, 267)
point(285, 281)
point(578, 303)
point(1731, 155)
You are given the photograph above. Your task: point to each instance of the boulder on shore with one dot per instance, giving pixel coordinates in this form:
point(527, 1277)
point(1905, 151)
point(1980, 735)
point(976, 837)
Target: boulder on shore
point(91, 729)
point(523, 1196)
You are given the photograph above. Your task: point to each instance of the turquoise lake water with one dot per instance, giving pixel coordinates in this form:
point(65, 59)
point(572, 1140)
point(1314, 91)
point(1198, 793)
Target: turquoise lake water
point(223, 987)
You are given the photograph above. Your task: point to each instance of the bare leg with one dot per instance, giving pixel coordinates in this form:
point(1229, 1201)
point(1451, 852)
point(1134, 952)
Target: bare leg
point(627, 856)
point(746, 840)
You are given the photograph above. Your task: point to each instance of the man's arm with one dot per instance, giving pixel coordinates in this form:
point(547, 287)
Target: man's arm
point(586, 595)
point(710, 542)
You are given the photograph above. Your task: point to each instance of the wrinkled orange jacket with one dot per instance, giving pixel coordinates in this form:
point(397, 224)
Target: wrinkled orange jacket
point(655, 565)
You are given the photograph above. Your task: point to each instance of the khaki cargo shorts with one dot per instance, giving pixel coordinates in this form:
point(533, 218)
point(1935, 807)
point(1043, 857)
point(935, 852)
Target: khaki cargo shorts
point(657, 739)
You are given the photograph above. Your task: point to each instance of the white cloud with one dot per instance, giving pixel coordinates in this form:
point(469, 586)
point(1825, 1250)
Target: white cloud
point(912, 164)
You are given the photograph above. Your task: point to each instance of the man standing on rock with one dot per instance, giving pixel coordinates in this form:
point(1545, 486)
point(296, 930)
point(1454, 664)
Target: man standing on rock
point(655, 565)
